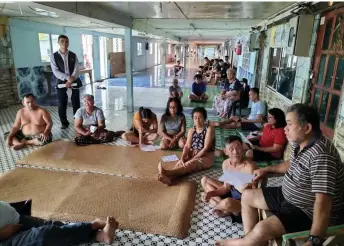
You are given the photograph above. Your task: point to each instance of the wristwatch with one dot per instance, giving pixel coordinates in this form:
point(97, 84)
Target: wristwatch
point(315, 240)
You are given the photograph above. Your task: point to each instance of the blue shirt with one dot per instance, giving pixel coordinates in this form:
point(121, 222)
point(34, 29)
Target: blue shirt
point(198, 89)
point(256, 109)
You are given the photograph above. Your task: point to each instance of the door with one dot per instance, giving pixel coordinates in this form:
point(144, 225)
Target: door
point(328, 70)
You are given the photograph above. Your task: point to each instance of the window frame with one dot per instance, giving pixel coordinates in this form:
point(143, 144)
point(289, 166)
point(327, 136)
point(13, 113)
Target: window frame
point(117, 44)
point(283, 49)
point(50, 45)
point(139, 49)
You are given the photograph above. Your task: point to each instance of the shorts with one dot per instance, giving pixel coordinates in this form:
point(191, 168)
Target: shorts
point(21, 136)
point(248, 126)
point(236, 195)
point(263, 156)
point(285, 211)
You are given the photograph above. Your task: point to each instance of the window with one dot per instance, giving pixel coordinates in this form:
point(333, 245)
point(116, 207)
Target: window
point(117, 45)
point(281, 76)
point(151, 48)
point(139, 49)
point(169, 49)
point(47, 45)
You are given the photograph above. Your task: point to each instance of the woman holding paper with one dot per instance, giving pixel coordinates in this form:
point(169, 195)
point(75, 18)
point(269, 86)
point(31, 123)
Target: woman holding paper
point(173, 125)
point(198, 152)
point(270, 143)
point(144, 129)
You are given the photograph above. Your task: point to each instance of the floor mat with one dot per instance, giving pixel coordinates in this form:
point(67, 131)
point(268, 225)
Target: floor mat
point(141, 205)
point(98, 158)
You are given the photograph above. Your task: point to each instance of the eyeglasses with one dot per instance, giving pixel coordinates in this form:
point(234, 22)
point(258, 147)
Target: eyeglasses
point(172, 107)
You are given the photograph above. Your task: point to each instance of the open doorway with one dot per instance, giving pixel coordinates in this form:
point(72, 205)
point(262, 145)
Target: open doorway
point(103, 58)
point(87, 52)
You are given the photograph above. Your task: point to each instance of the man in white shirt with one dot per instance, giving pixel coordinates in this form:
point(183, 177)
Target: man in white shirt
point(253, 122)
point(16, 229)
point(65, 66)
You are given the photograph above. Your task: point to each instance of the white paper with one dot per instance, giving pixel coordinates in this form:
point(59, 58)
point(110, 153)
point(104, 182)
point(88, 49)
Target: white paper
point(169, 158)
point(244, 139)
point(236, 179)
point(93, 129)
point(322, 20)
point(147, 148)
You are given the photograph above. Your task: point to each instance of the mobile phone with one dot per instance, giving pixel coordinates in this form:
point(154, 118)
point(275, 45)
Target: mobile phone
point(254, 134)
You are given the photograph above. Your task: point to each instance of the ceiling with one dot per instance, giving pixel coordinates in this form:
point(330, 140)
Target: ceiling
point(199, 20)
point(191, 21)
point(26, 11)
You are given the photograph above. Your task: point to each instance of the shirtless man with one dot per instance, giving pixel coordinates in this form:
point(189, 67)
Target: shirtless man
point(227, 198)
point(32, 125)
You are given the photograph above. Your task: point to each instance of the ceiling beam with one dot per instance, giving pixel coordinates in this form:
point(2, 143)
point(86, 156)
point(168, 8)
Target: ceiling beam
point(202, 28)
point(144, 27)
point(91, 10)
point(203, 19)
point(181, 11)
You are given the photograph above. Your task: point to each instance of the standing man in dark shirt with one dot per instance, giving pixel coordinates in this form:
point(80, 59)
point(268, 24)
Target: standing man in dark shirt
point(65, 67)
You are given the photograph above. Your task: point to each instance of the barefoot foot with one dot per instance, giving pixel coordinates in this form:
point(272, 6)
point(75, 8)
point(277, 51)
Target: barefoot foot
point(203, 197)
point(230, 242)
point(18, 146)
point(98, 224)
point(109, 230)
point(162, 177)
point(221, 214)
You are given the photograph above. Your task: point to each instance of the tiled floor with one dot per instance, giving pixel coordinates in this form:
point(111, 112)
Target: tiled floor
point(205, 228)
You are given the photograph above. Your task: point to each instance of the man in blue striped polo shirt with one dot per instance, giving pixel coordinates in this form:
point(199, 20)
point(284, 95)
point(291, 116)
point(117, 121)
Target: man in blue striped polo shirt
point(312, 193)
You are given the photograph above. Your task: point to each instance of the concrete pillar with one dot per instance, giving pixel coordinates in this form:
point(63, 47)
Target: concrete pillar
point(129, 69)
point(163, 62)
point(184, 55)
point(96, 58)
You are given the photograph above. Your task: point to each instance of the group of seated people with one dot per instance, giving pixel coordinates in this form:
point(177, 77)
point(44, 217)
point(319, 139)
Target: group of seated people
point(33, 125)
point(312, 190)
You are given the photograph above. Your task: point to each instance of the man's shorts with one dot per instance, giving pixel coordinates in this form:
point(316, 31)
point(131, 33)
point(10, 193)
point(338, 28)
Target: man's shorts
point(292, 217)
point(21, 136)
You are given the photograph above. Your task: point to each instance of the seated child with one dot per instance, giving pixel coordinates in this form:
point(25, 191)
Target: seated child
point(198, 90)
point(175, 90)
point(225, 197)
point(177, 69)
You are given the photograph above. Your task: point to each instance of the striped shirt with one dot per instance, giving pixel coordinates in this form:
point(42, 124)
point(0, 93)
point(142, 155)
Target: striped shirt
point(315, 169)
